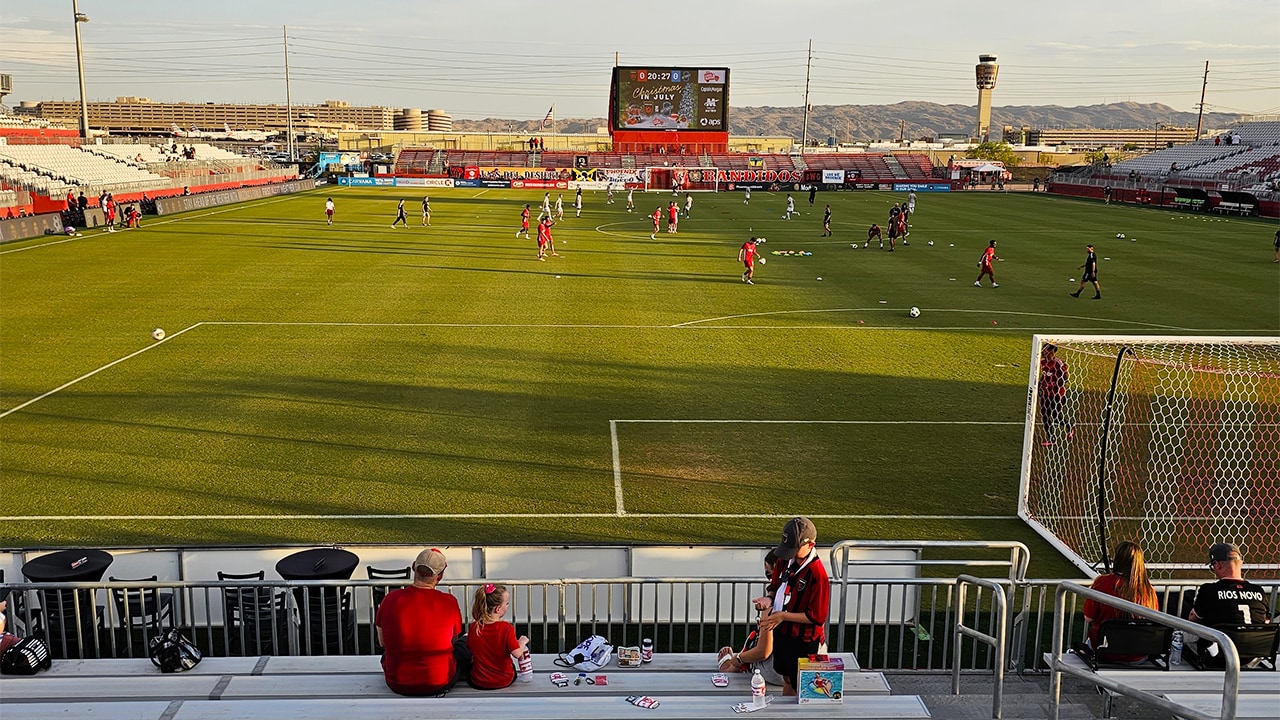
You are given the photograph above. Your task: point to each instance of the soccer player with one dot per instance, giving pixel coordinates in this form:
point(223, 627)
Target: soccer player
point(426, 210)
point(577, 202)
point(1277, 247)
point(1052, 391)
point(911, 201)
point(873, 233)
point(328, 210)
point(688, 204)
point(546, 206)
point(657, 222)
point(631, 201)
point(813, 194)
point(746, 199)
point(1090, 275)
point(826, 222)
point(559, 207)
point(673, 217)
point(902, 224)
point(400, 218)
point(894, 227)
point(551, 239)
point(791, 207)
point(1106, 195)
point(608, 190)
point(524, 222)
point(544, 238)
point(747, 256)
point(986, 265)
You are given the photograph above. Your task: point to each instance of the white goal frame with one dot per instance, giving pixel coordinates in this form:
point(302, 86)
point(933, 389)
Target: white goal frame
point(1180, 526)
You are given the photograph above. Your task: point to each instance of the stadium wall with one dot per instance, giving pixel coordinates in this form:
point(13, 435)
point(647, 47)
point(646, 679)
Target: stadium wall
point(184, 203)
point(28, 227)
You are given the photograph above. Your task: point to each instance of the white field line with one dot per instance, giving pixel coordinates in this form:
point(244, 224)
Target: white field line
point(91, 373)
point(500, 516)
point(833, 422)
point(937, 310)
point(617, 469)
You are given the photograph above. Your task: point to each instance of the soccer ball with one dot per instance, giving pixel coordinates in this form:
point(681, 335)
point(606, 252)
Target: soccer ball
point(930, 243)
point(763, 261)
point(867, 245)
point(158, 333)
point(1120, 236)
point(914, 312)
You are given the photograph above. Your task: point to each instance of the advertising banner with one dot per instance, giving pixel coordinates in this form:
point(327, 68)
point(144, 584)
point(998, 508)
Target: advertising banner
point(922, 187)
point(518, 173)
point(467, 183)
point(424, 182)
point(492, 184)
point(666, 98)
point(184, 203)
point(356, 181)
point(832, 177)
point(759, 176)
point(538, 183)
point(32, 226)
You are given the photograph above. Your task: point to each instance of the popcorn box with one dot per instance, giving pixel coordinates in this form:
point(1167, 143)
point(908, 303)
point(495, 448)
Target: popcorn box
point(821, 679)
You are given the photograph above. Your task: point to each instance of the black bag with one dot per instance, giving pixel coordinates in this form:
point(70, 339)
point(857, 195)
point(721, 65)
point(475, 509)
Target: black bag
point(172, 652)
point(28, 656)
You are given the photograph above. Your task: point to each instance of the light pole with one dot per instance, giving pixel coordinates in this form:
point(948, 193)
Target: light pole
point(84, 107)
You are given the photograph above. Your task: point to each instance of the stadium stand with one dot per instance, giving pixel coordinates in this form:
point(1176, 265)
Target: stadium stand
point(64, 166)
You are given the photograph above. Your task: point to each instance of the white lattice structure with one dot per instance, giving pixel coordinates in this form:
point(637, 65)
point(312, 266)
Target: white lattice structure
point(1190, 456)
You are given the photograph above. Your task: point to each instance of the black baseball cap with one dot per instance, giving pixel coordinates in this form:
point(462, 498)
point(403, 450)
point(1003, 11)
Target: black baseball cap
point(797, 532)
point(1220, 552)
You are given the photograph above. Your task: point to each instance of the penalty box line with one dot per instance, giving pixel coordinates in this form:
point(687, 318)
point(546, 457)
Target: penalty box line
point(620, 507)
point(498, 516)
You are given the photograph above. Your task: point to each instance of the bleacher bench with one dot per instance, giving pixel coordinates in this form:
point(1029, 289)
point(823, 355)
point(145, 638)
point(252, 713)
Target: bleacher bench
point(1234, 207)
point(340, 688)
point(1181, 681)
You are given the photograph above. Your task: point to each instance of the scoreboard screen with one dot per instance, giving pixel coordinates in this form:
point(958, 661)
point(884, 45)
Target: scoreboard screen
point(670, 99)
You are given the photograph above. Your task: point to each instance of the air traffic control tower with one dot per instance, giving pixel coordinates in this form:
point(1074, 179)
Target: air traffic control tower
point(986, 71)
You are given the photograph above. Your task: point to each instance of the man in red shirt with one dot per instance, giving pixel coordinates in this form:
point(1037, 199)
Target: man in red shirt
point(986, 265)
point(673, 217)
point(799, 594)
point(747, 256)
point(524, 223)
point(1052, 391)
point(873, 233)
point(657, 223)
point(418, 625)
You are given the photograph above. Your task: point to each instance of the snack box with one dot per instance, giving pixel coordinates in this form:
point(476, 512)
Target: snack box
point(821, 679)
point(629, 657)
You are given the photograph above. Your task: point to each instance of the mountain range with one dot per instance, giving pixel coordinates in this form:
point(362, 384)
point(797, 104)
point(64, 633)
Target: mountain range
point(912, 120)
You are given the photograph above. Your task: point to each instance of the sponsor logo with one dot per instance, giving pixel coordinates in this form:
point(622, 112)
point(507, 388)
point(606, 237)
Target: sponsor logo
point(712, 76)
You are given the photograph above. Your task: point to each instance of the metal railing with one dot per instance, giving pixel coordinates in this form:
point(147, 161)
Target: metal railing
point(997, 641)
point(1230, 680)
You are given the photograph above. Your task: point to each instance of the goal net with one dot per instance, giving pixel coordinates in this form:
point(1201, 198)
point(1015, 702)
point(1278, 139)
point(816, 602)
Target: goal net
point(1170, 442)
point(688, 179)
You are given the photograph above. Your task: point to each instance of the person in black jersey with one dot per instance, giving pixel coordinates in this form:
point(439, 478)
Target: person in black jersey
point(1090, 275)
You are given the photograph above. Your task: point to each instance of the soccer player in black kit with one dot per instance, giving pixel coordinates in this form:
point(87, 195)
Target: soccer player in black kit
point(1090, 275)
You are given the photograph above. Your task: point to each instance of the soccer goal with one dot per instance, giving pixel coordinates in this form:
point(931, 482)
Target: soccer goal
point(690, 179)
point(1171, 442)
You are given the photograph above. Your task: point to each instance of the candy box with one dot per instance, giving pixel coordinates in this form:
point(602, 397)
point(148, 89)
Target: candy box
point(821, 679)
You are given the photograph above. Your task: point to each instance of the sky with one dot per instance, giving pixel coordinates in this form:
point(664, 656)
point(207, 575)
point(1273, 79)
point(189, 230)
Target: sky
point(516, 58)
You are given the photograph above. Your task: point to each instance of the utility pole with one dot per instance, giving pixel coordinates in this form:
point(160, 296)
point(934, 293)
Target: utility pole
point(804, 130)
point(1203, 86)
point(288, 96)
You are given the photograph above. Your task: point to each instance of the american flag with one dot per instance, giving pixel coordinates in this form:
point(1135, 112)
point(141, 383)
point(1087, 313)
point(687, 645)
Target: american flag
point(550, 118)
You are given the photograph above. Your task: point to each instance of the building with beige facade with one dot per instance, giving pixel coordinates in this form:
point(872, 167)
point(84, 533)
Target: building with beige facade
point(143, 115)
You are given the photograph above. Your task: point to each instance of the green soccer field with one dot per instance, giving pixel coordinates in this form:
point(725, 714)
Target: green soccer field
point(358, 383)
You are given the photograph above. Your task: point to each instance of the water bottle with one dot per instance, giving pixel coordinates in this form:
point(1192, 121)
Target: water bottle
point(757, 689)
point(526, 668)
point(1175, 650)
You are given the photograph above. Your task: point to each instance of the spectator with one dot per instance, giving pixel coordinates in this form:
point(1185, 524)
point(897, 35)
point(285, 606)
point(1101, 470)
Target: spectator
point(7, 639)
point(421, 629)
point(758, 646)
point(1230, 599)
point(1127, 581)
point(492, 640)
point(799, 597)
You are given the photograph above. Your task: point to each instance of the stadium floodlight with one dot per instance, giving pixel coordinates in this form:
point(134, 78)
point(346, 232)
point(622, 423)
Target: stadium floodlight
point(79, 17)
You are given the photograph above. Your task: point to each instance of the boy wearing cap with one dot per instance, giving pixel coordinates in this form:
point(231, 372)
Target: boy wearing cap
point(799, 594)
point(418, 626)
point(1231, 600)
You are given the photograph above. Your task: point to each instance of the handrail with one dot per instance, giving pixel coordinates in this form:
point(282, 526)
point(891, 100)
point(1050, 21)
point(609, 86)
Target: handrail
point(1019, 555)
point(1230, 679)
point(998, 642)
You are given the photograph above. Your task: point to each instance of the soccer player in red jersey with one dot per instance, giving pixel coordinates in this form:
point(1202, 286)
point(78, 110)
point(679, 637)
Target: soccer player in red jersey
point(524, 222)
point(747, 256)
point(673, 217)
point(544, 237)
point(873, 233)
point(986, 265)
point(657, 223)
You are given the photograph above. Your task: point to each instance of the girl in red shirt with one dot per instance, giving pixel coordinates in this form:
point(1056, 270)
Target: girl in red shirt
point(492, 640)
point(1128, 581)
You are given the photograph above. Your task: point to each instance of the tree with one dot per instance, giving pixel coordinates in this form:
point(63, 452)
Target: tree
point(991, 150)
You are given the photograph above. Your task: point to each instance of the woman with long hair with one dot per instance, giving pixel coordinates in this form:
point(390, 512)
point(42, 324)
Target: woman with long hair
point(1128, 581)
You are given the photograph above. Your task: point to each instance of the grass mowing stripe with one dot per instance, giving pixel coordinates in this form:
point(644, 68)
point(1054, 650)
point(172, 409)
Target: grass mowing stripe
point(499, 516)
